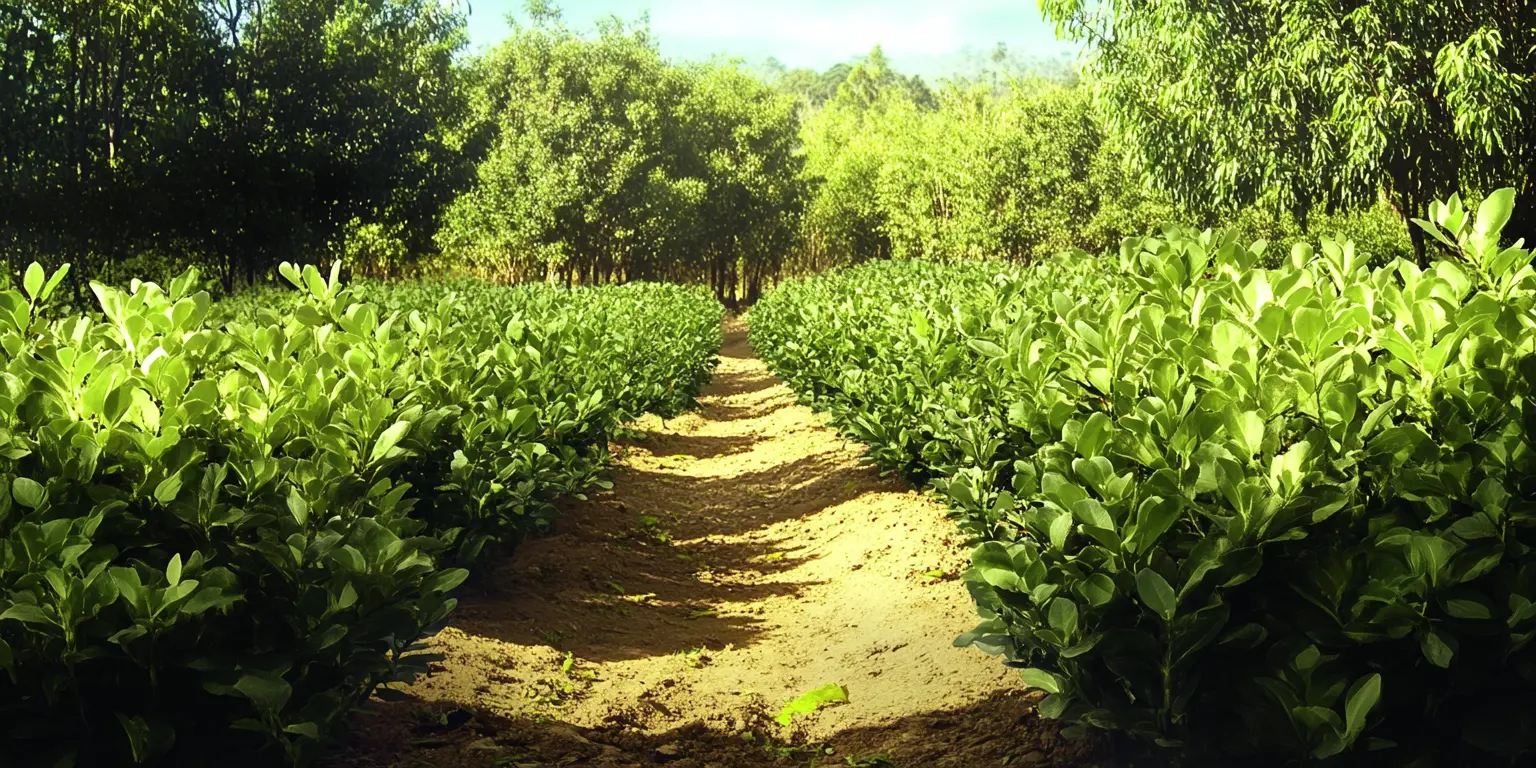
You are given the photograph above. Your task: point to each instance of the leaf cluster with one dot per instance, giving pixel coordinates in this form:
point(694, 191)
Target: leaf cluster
point(1253, 515)
point(223, 524)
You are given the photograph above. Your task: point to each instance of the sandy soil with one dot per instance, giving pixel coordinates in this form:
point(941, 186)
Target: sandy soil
point(744, 556)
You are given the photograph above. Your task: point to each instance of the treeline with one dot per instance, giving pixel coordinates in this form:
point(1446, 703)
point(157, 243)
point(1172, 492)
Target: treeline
point(139, 135)
point(606, 163)
point(1013, 162)
point(1321, 106)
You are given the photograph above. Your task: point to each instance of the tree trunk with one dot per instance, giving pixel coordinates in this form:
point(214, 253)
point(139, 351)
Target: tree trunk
point(1409, 210)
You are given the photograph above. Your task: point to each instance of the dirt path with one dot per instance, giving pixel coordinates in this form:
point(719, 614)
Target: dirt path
point(744, 556)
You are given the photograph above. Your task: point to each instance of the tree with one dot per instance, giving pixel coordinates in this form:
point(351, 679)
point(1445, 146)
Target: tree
point(234, 133)
point(576, 129)
point(606, 163)
point(1325, 104)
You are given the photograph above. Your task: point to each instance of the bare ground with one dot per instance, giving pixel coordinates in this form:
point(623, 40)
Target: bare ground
point(744, 556)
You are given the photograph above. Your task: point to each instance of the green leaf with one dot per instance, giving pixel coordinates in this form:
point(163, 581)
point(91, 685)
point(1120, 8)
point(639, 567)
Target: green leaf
point(992, 561)
point(388, 440)
point(139, 737)
point(1061, 527)
point(309, 731)
point(1098, 589)
point(291, 274)
point(1247, 429)
point(807, 703)
point(1437, 647)
point(1063, 616)
point(314, 281)
point(309, 316)
point(1494, 212)
point(1153, 518)
point(1361, 699)
point(168, 489)
point(53, 282)
point(268, 692)
point(444, 581)
point(1156, 594)
point(1039, 678)
point(1094, 435)
point(987, 348)
point(298, 508)
point(27, 492)
point(32, 281)
point(28, 614)
point(1468, 609)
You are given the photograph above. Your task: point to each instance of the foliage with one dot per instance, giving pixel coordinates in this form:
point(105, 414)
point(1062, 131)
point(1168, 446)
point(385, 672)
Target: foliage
point(607, 163)
point(1256, 516)
point(230, 134)
point(862, 79)
point(1324, 103)
point(1016, 170)
point(1010, 168)
point(221, 525)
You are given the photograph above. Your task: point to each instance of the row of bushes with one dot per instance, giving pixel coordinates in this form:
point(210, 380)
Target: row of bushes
point(1253, 516)
point(221, 525)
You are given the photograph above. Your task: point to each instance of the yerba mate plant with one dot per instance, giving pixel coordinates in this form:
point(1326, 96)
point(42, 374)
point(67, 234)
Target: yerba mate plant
point(1259, 516)
point(209, 530)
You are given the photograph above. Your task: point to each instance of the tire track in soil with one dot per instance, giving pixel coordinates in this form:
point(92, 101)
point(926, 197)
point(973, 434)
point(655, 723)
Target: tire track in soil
point(745, 555)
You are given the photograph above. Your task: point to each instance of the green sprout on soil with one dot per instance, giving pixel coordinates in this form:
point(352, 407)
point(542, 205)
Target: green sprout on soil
point(812, 700)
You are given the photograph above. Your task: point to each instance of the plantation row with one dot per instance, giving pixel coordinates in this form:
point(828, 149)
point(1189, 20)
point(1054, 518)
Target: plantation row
point(222, 525)
point(1256, 516)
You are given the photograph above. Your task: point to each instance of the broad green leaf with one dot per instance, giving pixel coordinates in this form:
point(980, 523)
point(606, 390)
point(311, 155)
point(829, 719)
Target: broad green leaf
point(32, 281)
point(27, 492)
point(987, 349)
point(1493, 213)
point(269, 693)
point(1039, 678)
point(168, 489)
point(1156, 594)
point(1061, 528)
point(1437, 647)
point(445, 581)
point(992, 561)
point(1247, 429)
point(54, 280)
point(1063, 616)
point(1359, 702)
point(388, 440)
point(29, 614)
point(1099, 589)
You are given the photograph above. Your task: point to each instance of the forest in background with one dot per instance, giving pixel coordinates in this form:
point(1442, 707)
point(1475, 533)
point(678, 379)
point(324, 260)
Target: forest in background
point(141, 136)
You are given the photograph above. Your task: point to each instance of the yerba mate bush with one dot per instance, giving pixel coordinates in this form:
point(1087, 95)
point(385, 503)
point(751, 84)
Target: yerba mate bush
point(216, 537)
point(1254, 516)
point(565, 365)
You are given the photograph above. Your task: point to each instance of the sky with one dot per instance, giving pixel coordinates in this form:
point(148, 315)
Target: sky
point(921, 36)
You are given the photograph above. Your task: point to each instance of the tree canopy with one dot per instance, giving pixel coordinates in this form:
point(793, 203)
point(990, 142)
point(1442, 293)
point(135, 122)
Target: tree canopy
point(236, 132)
point(606, 162)
point(1323, 104)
